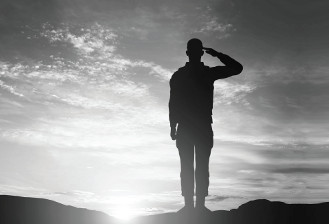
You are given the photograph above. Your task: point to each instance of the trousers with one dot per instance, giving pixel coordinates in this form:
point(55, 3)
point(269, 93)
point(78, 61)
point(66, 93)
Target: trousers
point(194, 139)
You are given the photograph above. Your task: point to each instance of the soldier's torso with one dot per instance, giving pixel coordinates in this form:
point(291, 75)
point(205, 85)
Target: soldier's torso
point(195, 94)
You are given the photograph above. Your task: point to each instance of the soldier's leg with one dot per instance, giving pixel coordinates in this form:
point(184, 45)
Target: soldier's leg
point(203, 148)
point(186, 153)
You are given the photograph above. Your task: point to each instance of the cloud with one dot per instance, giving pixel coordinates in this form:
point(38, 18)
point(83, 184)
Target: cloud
point(218, 198)
point(98, 79)
point(208, 24)
point(302, 170)
point(282, 72)
point(97, 56)
point(10, 89)
point(227, 92)
point(273, 109)
point(101, 42)
point(213, 26)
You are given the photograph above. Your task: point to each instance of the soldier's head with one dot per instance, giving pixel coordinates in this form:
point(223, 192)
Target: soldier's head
point(194, 49)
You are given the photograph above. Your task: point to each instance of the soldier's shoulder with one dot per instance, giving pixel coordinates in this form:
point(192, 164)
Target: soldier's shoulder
point(179, 71)
point(206, 67)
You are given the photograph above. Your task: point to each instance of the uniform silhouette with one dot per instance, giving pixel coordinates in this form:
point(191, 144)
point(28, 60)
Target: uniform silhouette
point(190, 115)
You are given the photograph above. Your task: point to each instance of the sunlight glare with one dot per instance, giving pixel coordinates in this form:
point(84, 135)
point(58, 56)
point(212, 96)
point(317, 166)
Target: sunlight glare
point(124, 213)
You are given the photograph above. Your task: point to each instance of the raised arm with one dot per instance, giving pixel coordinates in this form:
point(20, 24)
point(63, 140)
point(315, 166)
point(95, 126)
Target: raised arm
point(232, 67)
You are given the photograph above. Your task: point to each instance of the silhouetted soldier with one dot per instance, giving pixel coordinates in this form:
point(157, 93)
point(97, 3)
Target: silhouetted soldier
point(190, 109)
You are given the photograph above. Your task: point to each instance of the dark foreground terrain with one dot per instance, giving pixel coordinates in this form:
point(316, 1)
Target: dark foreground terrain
point(22, 210)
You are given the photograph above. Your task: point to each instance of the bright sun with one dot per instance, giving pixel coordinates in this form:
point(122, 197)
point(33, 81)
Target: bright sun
point(124, 213)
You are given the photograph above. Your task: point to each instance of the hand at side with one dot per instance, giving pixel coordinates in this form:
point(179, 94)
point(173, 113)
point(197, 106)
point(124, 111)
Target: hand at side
point(173, 133)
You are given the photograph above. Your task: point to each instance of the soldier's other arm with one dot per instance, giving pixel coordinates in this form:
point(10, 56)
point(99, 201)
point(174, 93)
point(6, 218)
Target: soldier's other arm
point(172, 110)
point(231, 68)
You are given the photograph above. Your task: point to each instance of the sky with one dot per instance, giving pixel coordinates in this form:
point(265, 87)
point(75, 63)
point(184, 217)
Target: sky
point(84, 90)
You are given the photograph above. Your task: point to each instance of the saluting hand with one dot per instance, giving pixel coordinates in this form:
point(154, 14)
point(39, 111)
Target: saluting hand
point(211, 51)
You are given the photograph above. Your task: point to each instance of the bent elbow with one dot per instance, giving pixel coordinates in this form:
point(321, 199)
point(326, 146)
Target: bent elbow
point(238, 69)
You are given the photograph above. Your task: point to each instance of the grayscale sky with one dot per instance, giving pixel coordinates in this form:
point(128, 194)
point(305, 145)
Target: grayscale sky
point(84, 101)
